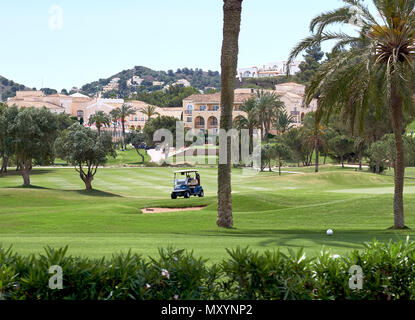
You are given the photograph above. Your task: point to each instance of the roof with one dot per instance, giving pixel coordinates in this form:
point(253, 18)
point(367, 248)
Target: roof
point(215, 97)
point(34, 104)
point(186, 171)
point(78, 95)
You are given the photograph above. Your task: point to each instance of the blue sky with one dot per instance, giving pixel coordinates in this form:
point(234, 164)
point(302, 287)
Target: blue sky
point(100, 38)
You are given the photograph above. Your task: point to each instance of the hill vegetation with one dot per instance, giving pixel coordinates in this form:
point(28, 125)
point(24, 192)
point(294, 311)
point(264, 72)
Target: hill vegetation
point(8, 88)
point(197, 78)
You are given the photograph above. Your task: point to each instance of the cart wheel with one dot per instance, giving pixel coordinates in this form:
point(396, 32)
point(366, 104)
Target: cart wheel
point(201, 194)
point(173, 196)
point(187, 194)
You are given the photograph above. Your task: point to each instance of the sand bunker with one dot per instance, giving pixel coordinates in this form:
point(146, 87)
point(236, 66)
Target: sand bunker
point(161, 210)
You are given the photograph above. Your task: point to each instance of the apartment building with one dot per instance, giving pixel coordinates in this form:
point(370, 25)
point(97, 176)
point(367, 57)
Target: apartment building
point(202, 111)
point(272, 69)
point(82, 106)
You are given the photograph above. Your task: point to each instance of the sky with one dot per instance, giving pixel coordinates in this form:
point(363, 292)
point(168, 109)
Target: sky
point(65, 43)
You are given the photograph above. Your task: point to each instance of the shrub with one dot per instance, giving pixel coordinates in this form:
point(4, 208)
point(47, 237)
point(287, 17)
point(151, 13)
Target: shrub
point(388, 274)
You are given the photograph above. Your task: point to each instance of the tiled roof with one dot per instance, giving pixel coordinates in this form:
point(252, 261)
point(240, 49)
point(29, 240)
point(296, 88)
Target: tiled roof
point(35, 104)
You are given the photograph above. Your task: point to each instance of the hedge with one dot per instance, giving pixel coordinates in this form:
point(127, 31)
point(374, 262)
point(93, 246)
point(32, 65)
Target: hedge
point(388, 273)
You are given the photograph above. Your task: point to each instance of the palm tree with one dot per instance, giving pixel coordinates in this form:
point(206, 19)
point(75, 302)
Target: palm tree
point(250, 121)
point(284, 121)
point(125, 111)
point(149, 111)
point(115, 116)
point(269, 104)
point(232, 10)
point(100, 118)
point(314, 140)
point(373, 67)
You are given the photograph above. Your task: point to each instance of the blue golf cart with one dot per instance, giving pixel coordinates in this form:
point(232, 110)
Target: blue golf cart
point(186, 184)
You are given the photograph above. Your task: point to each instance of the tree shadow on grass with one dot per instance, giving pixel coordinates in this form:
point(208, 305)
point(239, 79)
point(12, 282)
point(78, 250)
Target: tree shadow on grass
point(297, 238)
point(29, 187)
point(96, 193)
point(14, 173)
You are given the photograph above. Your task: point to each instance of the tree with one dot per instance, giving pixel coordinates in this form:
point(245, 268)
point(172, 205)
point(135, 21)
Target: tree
point(294, 140)
point(269, 105)
point(149, 111)
point(84, 149)
point(158, 123)
point(376, 70)
point(232, 10)
point(280, 151)
point(32, 134)
point(100, 118)
point(311, 64)
point(284, 121)
point(341, 145)
point(377, 155)
point(250, 121)
point(64, 121)
point(314, 136)
point(115, 115)
point(137, 140)
point(125, 111)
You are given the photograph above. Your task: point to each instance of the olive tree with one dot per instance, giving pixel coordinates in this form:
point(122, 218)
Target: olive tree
point(85, 150)
point(31, 133)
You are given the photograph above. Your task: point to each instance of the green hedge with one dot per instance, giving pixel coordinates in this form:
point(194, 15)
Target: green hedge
point(388, 274)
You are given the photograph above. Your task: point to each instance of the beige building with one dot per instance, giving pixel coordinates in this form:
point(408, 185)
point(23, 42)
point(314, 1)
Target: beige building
point(139, 119)
point(202, 111)
point(82, 106)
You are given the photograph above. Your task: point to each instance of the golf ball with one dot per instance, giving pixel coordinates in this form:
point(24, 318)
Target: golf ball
point(329, 232)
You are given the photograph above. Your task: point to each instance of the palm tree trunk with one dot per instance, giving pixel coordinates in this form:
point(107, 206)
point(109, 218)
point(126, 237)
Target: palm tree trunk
point(398, 208)
point(317, 154)
point(123, 134)
point(232, 20)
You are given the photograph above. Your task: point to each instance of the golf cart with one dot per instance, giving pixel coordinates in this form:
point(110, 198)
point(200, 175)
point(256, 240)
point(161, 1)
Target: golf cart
point(186, 184)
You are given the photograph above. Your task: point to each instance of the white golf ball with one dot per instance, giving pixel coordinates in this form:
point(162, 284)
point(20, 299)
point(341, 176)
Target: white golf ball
point(329, 232)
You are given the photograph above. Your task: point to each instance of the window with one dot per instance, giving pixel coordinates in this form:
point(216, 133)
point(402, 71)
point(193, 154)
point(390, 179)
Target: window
point(189, 119)
point(202, 108)
point(215, 108)
point(189, 109)
point(135, 119)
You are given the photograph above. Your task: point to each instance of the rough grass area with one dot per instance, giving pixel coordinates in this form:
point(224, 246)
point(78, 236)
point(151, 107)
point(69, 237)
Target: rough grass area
point(291, 211)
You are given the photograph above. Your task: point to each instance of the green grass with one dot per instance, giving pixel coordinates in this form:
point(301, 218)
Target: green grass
point(128, 157)
point(270, 212)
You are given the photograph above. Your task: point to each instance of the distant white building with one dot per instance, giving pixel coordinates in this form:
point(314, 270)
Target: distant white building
point(112, 85)
point(135, 81)
point(272, 69)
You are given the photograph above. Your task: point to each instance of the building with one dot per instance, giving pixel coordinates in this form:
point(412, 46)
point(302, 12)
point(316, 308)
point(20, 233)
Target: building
point(139, 119)
point(82, 106)
point(112, 85)
point(202, 111)
point(56, 103)
point(292, 94)
point(272, 69)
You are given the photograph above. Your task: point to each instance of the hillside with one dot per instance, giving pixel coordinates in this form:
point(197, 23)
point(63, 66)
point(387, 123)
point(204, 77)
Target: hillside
point(8, 88)
point(142, 79)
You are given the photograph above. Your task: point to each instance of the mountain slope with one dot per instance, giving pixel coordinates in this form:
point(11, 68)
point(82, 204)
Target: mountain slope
point(197, 78)
point(8, 88)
